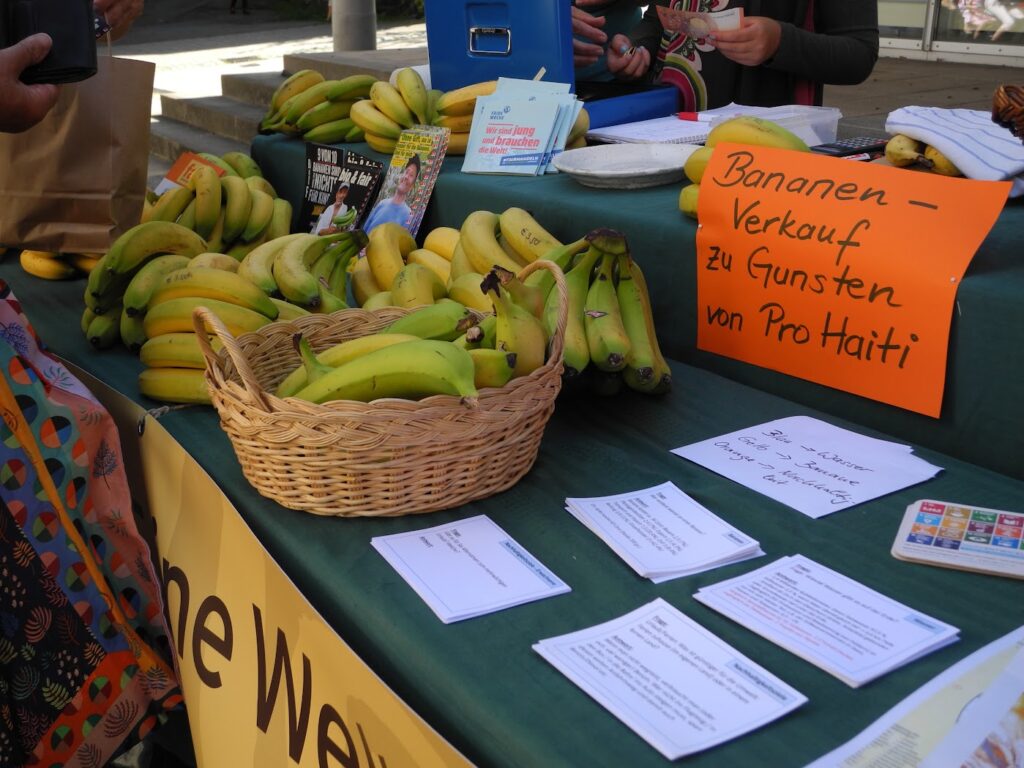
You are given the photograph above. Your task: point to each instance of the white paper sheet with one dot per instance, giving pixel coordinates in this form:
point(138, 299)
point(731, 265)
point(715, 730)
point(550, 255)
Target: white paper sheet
point(679, 687)
point(662, 533)
point(834, 622)
point(468, 568)
point(810, 465)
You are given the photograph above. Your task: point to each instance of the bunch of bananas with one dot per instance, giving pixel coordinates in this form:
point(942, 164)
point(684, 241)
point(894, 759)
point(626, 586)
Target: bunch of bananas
point(744, 129)
point(317, 109)
point(233, 212)
point(902, 151)
point(451, 263)
point(57, 266)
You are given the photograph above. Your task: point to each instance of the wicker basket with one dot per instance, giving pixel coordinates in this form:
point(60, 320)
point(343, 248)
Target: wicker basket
point(1008, 108)
point(384, 458)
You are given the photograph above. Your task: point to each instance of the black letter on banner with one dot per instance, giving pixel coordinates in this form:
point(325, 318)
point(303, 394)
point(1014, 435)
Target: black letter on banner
point(266, 699)
point(325, 746)
point(174, 573)
point(203, 634)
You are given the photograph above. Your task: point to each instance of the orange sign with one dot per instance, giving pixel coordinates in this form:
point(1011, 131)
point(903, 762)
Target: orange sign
point(836, 271)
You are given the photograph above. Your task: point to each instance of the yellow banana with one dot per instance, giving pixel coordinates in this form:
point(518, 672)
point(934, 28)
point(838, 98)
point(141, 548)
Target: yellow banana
point(492, 367)
point(579, 143)
point(281, 219)
point(351, 88)
point(576, 350)
point(747, 129)
point(261, 184)
point(940, 163)
point(433, 95)
point(147, 278)
point(517, 330)
point(646, 368)
point(367, 116)
point(478, 238)
point(579, 128)
point(696, 163)
point(297, 83)
point(414, 93)
point(363, 283)
point(339, 354)
point(173, 350)
point(300, 103)
point(214, 261)
point(388, 246)
point(260, 214)
point(462, 101)
point(444, 320)
point(688, 197)
point(216, 160)
point(220, 284)
point(292, 268)
point(104, 330)
point(187, 218)
point(143, 241)
point(457, 142)
point(460, 123)
point(416, 285)
point(461, 265)
point(206, 183)
point(46, 265)
point(466, 289)
point(132, 331)
point(170, 205)
point(602, 320)
point(175, 316)
point(436, 263)
point(411, 370)
point(174, 385)
point(901, 151)
point(215, 242)
point(442, 241)
point(257, 265)
point(525, 234)
point(382, 144)
point(378, 301)
point(287, 311)
point(84, 262)
point(389, 101)
point(528, 297)
point(479, 336)
point(243, 164)
point(237, 207)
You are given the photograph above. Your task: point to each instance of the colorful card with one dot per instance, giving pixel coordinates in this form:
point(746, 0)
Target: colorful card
point(699, 25)
point(410, 178)
point(961, 536)
point(340, 184)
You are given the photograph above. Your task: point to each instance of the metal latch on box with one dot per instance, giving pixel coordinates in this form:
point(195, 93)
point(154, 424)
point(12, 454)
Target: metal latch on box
point(489, 36)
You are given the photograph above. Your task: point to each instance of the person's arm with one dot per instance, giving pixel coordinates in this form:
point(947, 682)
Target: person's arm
point(119, 14)
point(21, 105)
point(841, 51)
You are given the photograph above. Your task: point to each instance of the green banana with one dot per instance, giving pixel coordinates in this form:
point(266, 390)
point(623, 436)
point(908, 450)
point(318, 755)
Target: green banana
point(445, 320)
point(260, 214)
point(237, 207)
point(288, 311)
point(219, 162)
point(325, 112)
point(492, 367)
point(414, 93)
point(87, 317)
point(280, 220)
point(292, 266)
point(132, 331)
point(219, 284)
point(302, 102)
point(257, 265)
point(351, 88)
point(576, 351)
point(105, 329)
point(170, 205)
point(339, 354)
point(243, 164)
point(517, 330)
point(410, 370)
point(602, 320)
point(333, 132)
point(146, 280)
point(142, 241)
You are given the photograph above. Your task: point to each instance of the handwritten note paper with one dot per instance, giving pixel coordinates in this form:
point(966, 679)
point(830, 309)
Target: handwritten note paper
point(810, 465)
point(837, 272)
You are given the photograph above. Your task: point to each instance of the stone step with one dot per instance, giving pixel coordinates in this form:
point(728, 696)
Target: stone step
point(339, 64)
point(169, 138)
point(218, 115)
point(253, 88)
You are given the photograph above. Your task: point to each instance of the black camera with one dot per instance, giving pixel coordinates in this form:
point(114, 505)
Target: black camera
point(69, 23)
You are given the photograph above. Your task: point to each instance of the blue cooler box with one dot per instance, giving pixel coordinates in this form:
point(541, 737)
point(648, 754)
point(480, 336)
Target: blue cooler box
point(469, 41)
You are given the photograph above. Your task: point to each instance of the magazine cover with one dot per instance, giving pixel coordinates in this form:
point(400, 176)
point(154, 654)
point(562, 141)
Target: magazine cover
point(340, 184)
point(410, 178)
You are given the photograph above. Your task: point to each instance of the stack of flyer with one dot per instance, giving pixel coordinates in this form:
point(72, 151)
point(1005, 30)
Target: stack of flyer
point(844, 627)
point(662, 533)
point(520, 128)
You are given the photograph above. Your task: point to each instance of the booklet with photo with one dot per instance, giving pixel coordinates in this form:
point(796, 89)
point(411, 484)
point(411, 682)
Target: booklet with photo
point(340, 184)
point(679, 687)
point(410, 177)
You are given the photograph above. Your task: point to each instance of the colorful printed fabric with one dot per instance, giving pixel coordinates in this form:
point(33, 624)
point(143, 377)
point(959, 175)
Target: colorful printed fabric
point(83, 641)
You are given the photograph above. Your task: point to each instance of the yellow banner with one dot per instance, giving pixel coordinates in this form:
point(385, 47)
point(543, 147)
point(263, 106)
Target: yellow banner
point(266, 681)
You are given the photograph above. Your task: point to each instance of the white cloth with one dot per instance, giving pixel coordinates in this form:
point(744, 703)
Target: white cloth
point(969, 138)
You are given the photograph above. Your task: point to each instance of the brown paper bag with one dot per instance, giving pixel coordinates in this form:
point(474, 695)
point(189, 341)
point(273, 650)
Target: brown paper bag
point(77, 180)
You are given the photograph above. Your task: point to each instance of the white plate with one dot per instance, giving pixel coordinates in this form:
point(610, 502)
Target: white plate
point(625, 166)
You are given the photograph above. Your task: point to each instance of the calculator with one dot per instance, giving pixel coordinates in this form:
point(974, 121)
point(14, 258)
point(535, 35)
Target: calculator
point(851, 146)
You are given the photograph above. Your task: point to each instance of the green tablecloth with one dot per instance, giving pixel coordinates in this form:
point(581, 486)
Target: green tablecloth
point(478, 682)
point(982, 413)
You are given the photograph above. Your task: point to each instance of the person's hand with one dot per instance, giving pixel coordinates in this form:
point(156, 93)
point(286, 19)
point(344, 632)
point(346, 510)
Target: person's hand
point(588, 27)
point(118, 13)
point(21, 105)
point(752, 44)
point(625, 61)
